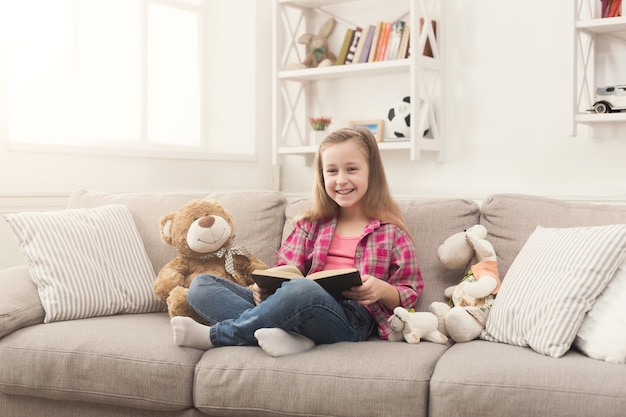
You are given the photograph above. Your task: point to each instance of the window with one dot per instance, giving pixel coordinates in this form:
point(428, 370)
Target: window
point(126, 74)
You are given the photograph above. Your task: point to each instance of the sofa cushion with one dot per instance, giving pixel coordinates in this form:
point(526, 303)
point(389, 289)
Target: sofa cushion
point(126, 360)
point(511, 218)
point(86, 262)
point(485, 379)
point(146, 209)
point(552, 283)
point(19, 301)
point(374, 378)
point(20, 406)
point(602, 334)
point(431, 221)
point(259, 217)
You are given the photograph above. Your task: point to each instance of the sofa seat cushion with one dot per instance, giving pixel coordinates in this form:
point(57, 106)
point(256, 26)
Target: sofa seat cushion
point(483, 379)
point(21, 406)
point(125, 360)
point(375, 378)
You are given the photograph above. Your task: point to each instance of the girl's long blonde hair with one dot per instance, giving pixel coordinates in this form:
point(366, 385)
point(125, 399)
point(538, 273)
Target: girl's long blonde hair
point(377, 202)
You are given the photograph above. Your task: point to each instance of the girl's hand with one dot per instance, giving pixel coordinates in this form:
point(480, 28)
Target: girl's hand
point(373, 290)
point(259, 294)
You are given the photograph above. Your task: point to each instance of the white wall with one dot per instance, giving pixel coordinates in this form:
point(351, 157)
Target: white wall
point(509, 89)
point(509, 93)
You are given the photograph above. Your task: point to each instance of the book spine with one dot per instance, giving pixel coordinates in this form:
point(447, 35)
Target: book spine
point(353, 45)
point(343, 51)
point(361, 45)
point(384, 38)
point(615, 8)
point(367, 46)
point(394, 40)
point(375, 41)
point(611, 8)
point(404, 42)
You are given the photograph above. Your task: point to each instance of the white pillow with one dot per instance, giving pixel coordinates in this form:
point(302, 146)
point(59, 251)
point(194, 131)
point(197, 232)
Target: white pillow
point(552, 283)
point(602, 335)
point(86, 262)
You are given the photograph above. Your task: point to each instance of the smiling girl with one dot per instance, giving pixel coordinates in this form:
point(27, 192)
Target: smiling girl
point(354, 222)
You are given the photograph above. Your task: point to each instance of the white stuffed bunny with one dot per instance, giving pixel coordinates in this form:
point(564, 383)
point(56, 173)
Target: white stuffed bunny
point(317, 46)
point(412, 327)
point(474, 296)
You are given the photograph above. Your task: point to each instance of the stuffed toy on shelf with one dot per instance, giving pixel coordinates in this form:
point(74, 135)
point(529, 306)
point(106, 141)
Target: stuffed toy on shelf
point(464, 317)
point(318, 54)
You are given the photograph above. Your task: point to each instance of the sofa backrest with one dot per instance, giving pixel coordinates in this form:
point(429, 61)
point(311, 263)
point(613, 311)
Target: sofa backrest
point(430, 222)
point(511, 218)
point(258, 217)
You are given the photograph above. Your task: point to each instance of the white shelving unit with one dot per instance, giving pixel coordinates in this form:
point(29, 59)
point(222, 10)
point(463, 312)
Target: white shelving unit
point(589, 29)
point(296, 91)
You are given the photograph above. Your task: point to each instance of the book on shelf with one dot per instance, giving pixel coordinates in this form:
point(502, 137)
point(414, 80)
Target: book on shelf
point(353, 45)
point(334, 281)
point(361, 45)
point(404, 42)
point(381, 52)
point(375, 41)
point(393, 43)
point(367, 45)
point(611, 8)
point(343, 51)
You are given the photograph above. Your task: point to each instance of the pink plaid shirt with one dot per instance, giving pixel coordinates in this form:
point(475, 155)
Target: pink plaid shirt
point(384, 251)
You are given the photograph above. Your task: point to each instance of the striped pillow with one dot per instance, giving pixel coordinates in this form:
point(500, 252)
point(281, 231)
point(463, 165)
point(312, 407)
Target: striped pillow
point(86, 262)
point(552, 283)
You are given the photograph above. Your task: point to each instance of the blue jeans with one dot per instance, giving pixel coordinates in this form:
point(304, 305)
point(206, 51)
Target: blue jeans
point(300, 306)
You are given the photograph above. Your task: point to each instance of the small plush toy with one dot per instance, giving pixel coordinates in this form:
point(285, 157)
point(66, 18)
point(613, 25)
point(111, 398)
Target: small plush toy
point(202, 233)
point(413, 327)
point(473, 297)
point(317, 46)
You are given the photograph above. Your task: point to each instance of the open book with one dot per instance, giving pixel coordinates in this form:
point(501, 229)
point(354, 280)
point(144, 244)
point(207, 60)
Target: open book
point(335, 281)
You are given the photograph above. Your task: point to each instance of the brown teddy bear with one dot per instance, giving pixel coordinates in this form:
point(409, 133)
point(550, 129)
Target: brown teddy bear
point(202, 233)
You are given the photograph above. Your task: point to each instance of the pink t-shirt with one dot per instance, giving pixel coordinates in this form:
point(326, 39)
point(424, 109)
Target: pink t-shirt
point(341, 252)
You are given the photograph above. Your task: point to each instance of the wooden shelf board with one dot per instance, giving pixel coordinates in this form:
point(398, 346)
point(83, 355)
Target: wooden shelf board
point(601, 118)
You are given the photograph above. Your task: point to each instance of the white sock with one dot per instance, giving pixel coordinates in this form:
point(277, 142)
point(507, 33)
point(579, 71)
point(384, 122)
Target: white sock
point(278, 342)
point(190, 333)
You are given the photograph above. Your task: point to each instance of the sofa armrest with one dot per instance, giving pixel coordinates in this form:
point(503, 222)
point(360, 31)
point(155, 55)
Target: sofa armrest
point(19, 300)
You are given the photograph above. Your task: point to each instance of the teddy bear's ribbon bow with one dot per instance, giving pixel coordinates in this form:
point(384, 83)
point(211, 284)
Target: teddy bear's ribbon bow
point(227, 252)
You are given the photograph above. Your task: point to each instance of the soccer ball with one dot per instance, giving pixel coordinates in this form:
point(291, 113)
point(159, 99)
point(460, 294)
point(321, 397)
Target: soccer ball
point(399, 118)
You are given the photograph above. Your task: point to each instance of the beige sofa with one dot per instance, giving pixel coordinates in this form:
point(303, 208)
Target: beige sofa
point(128, 365)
